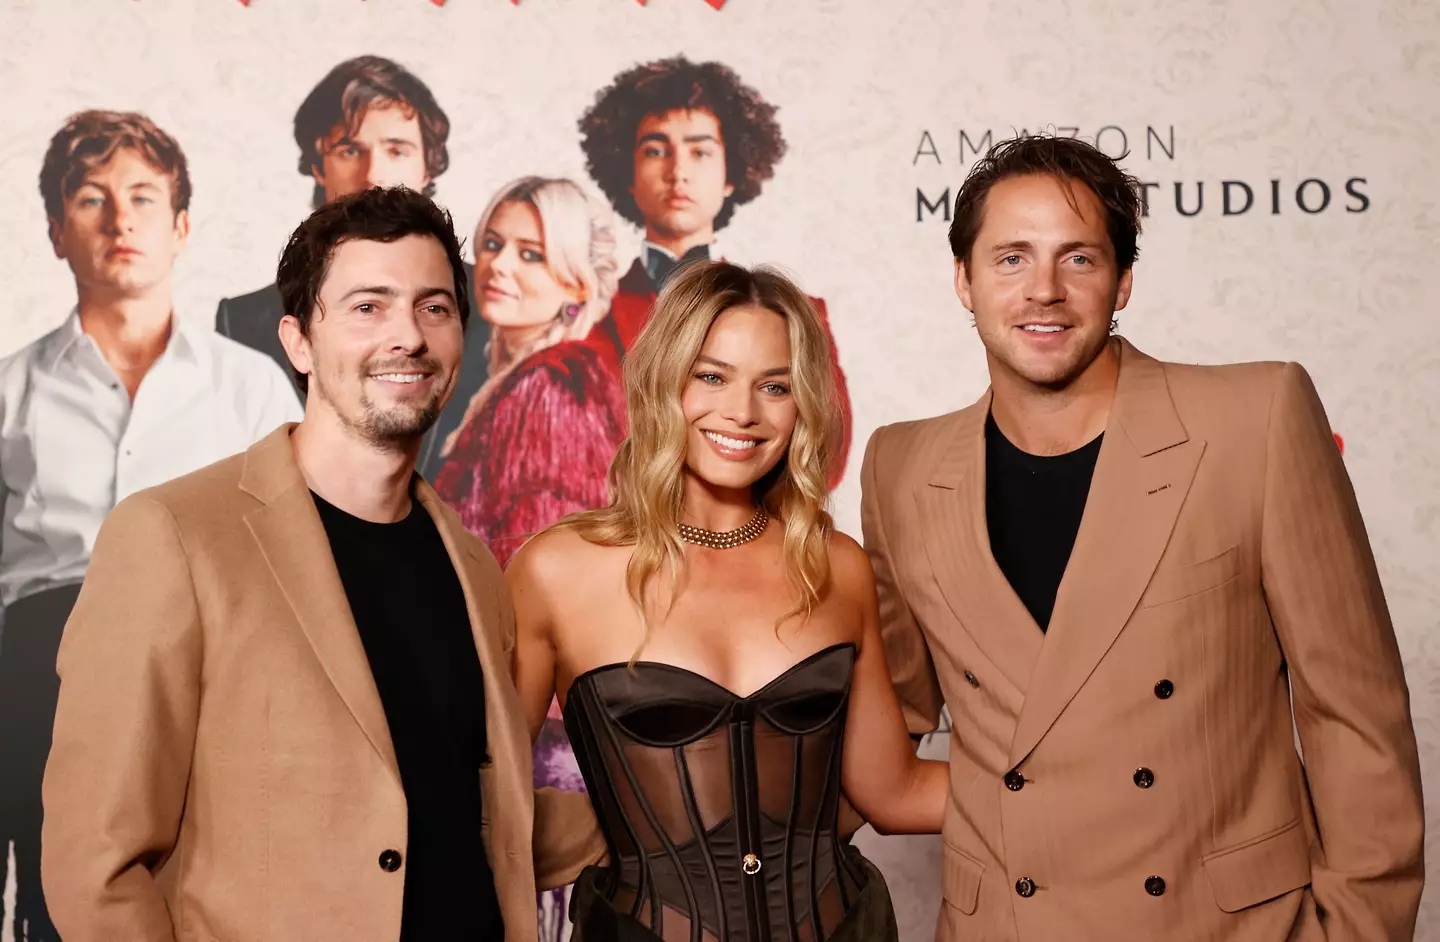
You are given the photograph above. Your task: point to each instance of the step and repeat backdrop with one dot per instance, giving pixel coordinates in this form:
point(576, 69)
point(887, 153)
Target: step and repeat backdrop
point(1288, 151)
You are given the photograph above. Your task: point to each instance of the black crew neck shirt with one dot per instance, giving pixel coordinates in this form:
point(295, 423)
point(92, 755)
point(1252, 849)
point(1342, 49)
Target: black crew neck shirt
point(410, 611)
point(1033, 506)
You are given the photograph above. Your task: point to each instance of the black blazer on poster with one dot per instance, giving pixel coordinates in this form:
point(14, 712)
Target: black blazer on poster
point(254, 320)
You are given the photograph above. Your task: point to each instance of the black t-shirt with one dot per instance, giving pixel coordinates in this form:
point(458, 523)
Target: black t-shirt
point(1033, 507)
point(410, 611)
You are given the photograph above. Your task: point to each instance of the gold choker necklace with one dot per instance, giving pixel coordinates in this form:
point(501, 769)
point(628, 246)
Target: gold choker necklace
point(728, 539)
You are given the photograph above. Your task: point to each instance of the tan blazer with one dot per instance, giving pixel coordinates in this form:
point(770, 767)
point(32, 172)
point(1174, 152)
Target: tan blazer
point(222, 768)
point(1221, 566)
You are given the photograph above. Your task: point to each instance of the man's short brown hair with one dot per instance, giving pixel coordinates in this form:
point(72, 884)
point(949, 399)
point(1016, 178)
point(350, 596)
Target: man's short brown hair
point(1067, 159)
point(90, 138)
point(344, 95)
point(374, 215)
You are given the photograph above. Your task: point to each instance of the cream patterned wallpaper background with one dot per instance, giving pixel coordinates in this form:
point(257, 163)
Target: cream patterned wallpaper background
point(879, 100)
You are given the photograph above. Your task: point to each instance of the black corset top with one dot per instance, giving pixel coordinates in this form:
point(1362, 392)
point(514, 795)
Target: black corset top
point(719, 810)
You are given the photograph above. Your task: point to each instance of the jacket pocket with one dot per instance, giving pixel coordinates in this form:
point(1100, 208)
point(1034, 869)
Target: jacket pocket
point(960, 878)
point(1178, 583)
point(1261, 869)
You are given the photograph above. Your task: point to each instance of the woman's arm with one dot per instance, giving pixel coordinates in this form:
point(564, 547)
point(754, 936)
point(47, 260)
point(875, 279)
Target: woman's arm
point(533, 659)
point(895, 790)
point(566, 833)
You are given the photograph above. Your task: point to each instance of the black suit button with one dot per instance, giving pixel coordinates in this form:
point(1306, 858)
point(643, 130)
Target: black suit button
point(1014, 780)
point(1144, 778)
point(1155, 886)
point(970, 679)
point(390, 861)
point(1026, 887)
point(1164, 689)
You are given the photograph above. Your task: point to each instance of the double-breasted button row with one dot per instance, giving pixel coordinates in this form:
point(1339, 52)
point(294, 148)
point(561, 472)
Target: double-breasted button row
point(1025, 887)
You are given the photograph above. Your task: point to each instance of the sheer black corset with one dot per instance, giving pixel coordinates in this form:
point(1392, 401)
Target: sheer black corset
point(720, 810)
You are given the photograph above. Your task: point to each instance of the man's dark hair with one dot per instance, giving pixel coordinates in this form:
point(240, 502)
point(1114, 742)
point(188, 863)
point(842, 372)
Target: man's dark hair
point(1072, 161)
point(374, 215)
point(342, 98)
point(752, 138)
point(90, 138)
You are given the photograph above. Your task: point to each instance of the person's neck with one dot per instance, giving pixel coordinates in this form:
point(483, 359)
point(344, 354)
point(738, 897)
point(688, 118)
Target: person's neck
point(359, 477)
point(1046, 422)
point(718, 509)
point(131, 331)
point(678, 244)
point(509, 341)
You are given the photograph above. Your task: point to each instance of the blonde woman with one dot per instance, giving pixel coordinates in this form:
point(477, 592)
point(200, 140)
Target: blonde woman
point(715, 642)
point(539, 434)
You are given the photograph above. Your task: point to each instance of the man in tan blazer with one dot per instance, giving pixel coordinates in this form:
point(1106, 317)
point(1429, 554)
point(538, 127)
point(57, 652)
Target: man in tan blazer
point(1132, 583)
point(285, 706)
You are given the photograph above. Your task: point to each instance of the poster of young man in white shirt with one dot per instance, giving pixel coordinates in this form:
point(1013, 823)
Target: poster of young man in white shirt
point(121, 396)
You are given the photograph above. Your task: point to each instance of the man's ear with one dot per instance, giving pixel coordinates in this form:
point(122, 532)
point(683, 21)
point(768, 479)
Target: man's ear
point(962, 283)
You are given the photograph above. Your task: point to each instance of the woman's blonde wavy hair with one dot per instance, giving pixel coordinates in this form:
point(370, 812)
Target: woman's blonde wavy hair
point(646, 479)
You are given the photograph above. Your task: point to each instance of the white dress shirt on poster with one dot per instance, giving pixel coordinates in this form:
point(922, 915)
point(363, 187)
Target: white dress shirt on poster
point(72, 444)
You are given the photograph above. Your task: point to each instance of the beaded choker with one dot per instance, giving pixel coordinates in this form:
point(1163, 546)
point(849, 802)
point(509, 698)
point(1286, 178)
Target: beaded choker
point(728, 539)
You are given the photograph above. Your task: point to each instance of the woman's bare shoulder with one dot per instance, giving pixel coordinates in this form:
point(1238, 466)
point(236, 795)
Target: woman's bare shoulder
point(850, 571)
point(561, 561)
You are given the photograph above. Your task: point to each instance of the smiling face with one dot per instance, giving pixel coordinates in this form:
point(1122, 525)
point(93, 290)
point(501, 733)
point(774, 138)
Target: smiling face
point(385, 341)
point(1042, 280)
point(739, 411)
point(120, 232)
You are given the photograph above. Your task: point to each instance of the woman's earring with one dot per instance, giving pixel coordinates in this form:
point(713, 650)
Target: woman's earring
point(569, 311)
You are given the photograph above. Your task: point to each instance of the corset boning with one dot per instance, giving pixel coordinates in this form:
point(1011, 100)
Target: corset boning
point(719, 810)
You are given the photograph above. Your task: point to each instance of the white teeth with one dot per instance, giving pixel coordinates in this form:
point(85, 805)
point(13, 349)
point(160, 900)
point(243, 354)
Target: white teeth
point(729, 442)
point(1044, 328)
point(399, 377)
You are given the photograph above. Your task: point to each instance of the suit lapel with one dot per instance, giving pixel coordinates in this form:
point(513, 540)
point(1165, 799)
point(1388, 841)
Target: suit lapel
point(957, 541)
point(294, 544)
point(1144, 470)
point(501, 712)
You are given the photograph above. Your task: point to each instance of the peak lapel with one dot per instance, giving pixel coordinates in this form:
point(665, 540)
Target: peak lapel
point(1145, 468)
point(293, 541)
point(957, 542)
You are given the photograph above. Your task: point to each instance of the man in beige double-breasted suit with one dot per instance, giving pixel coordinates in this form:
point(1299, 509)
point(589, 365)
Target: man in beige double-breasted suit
point(1132, 582)
point(285, 705)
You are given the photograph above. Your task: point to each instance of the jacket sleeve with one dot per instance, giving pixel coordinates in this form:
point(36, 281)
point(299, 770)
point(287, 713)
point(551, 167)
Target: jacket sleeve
point(911, 668)
point(567, 837)
point(115, 784)
point(1351, 704)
